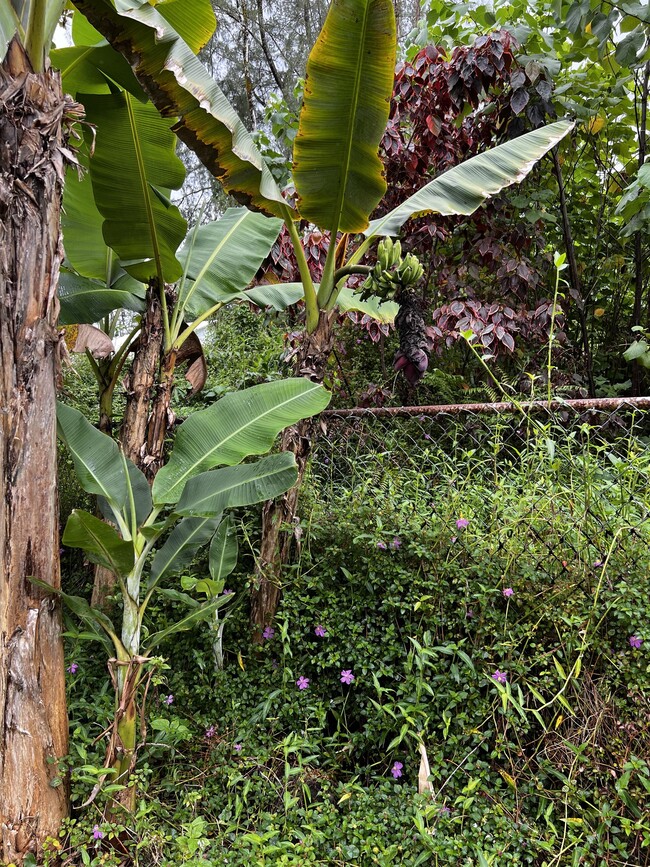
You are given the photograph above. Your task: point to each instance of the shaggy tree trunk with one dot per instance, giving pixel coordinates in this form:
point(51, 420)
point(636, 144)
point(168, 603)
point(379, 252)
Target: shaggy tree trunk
point(278, 516)
point(33, 720)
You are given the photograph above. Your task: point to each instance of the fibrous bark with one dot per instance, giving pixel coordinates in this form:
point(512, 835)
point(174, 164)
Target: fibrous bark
point(278, 516)
point(33, 720)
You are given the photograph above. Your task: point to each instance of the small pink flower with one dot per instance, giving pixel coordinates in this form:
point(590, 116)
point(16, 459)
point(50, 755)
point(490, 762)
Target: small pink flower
point(168, 700)
point(396, 544)
point(396, 770)
point(210, 732)
point(238, 747)
point(382, 546)
point(462, 523)
point(635, 642)
point(302, 682)
point(507, 592)
point(320, 631)
point(97, 833)
point(268, 633)
point(347, 677)
point(500, 676)
point(72, 668)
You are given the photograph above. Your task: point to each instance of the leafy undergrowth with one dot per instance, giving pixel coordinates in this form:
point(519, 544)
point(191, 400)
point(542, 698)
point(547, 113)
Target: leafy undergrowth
point(489, 605)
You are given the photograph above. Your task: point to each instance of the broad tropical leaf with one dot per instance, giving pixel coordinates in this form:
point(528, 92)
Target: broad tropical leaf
point(462, 189)
point(279, 296)
point(96, 457)
point(382, 311)
point(181, 547)
point(202, 612)
point(88, 69)
point(100, 541)
point(193, 20)
point(240, 424)
point(337, 172)
point(85, 300)
point(81, 222)
point(180, 86)
point(223, 551)
point(212, 492)
point(8, 26)
point(100, 624)
point(133, 166)
point(222, 257)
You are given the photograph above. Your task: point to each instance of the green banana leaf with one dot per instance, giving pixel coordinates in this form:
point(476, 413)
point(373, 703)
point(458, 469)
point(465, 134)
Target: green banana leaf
point(224, 549)
point(82, 223)
point(180, 86)
point(100, 624)
point(141, 492)
point(181, 547)
point(222, 257)
point(212, 492)
point(279, 296)
point(84, 300)
point(133, 164)
point(96, 457)
point(193, 20)
point(347, 299)
point(240, 424)
point(8, 26)
point(83, 33)
point(197, 615)
point(89, 68)
point(462, 189)
point(100, 541)
point(337, 172)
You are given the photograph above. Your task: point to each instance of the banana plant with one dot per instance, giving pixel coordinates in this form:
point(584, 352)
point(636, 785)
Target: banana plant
point(337, 175)
point(151, 534)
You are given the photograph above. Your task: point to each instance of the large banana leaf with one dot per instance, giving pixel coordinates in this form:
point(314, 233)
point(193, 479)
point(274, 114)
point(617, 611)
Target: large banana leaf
point(84, 300)
point(193, 20)
point(8, 26)
point(212, 492)
point(279, 296)
point(337, 172)
point(88, 68)
point(222, 257)
point(82, 223)
point(96, 457)
point(181, 546)
point(180, 87)
point(100, 542)
point(223, 551)
point(464, 188)
point(240, 424)
point(134, 163)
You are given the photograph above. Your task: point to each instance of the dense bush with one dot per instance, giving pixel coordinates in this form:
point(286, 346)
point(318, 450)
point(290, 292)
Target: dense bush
point(532, 704)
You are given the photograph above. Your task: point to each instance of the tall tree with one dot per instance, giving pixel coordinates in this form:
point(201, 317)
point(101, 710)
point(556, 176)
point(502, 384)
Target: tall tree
point(33, 720)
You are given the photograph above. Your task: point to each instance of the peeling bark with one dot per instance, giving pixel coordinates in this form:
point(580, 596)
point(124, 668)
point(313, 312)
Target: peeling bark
point(278, 516)
point(33, 720)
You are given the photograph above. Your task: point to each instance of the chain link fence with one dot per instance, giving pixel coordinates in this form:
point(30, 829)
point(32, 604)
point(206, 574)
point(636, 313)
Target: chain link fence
point(556, 484)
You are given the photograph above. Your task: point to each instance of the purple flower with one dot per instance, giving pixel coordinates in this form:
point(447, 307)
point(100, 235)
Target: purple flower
point(228, 592)
point(268, 633)
point(396, 770)
point(507, 592)
point(396, 543)
point(382, 546)
point(72, 668)
point(320, 631)
point(168, 700)
point(346, 676)
point(462, 523)
point(499, 676)
point(469, 613)
point(302, 682)
point(598, 564)
point(210, 732)
point(444, 811)
point(97, 833)
point(238, 747)
point(454, 539)
point(635, 642)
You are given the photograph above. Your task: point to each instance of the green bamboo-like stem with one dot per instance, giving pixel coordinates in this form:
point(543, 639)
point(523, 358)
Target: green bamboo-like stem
point(327, 285)
point(35, 34)
point(311, 303)
point(352, 265)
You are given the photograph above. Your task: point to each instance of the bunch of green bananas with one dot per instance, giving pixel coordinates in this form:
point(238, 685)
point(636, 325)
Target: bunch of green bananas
point(392, 272)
